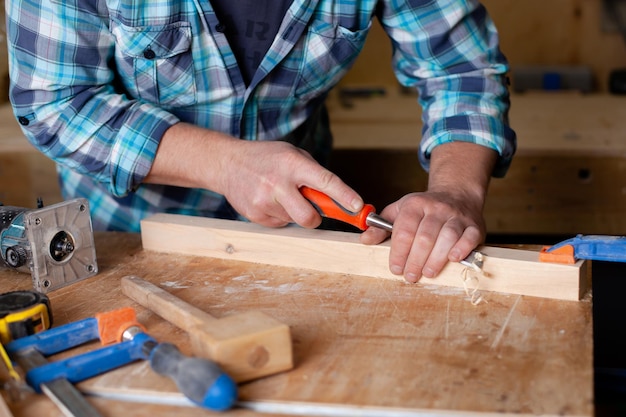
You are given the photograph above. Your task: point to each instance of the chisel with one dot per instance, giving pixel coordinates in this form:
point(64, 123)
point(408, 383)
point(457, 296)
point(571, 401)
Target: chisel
point(327, 207)
point(364, 218)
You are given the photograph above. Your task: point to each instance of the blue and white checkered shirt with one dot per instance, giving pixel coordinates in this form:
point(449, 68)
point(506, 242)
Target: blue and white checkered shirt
point(96, 83)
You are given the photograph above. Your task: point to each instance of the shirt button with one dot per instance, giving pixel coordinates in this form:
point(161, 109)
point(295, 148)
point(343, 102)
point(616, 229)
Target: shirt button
point(220, 27)
point(23, 120)
point(149, 54)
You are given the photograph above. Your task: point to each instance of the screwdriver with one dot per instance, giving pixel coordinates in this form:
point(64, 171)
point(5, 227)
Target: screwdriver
point(362, 219)
point(200, 380)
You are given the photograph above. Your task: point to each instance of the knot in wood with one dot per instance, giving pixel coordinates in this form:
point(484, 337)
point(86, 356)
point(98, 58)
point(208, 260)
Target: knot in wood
point(259, 357)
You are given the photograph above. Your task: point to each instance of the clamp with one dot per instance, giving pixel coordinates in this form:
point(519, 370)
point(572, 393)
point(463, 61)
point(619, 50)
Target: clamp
point(589, 247)
point(202, 381)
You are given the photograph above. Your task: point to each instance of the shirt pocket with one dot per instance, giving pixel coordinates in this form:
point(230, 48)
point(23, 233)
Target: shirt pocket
point(156, 63)
point(328, 52)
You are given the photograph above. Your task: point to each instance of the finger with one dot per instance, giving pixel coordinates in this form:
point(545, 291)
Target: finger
point(448, 236)
point(471, 238)
point(274, 222)
point(330, 184)
point(374, 236)
point(420, 250)
point(402, 242)
point(266, 210)
point(301, 211)
point(268, 221)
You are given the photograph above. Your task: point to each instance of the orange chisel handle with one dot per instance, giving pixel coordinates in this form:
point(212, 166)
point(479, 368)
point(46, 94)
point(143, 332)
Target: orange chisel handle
point(327, 207)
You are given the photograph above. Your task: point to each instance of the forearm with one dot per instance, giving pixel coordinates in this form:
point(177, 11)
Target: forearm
point(190, 156)
point(462, 169)
point(464, 95)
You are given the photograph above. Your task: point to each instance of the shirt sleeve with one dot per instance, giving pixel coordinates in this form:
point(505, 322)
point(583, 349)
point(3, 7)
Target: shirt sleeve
point(449, 51)
point(64, 93)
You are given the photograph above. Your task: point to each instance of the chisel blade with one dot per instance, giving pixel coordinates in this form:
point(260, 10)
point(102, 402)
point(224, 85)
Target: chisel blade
point(62, 393)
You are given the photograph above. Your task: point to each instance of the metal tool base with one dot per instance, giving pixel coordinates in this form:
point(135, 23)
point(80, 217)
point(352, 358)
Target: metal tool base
point(62, 245)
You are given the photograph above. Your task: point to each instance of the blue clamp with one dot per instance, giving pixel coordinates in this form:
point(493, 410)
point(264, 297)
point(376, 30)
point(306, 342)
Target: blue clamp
point(201, 380)
point(80, 367)
point(589, 247)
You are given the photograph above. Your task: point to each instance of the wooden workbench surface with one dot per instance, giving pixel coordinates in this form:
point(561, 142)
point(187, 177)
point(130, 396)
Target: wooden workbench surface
point(361, 345)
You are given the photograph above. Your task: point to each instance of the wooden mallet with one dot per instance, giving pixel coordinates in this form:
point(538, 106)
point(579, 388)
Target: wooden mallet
point(247, 345)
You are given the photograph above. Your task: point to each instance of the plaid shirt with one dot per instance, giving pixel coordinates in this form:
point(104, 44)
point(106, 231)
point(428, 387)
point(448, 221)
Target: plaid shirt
point(96, 83)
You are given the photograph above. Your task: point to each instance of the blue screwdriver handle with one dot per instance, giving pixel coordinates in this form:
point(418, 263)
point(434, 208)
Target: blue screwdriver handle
point(200, 380)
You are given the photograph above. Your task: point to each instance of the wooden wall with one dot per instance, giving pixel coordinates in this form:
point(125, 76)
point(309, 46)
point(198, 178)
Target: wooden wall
point(532, 32)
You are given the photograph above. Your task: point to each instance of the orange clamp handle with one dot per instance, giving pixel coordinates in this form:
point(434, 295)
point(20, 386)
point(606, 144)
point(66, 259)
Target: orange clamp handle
point(562, 255)
point(112, 324)
point(327, 207)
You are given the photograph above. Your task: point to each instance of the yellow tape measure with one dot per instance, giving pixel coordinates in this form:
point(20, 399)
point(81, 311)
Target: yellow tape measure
point(23, 313)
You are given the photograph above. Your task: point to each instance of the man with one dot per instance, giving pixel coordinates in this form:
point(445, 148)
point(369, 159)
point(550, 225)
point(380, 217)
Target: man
point(215, 108)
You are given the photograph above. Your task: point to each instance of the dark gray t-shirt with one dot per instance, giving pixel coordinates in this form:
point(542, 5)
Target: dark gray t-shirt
point(250, 27)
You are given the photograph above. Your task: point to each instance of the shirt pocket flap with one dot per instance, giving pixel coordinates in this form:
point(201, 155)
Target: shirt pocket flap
point(163, 41)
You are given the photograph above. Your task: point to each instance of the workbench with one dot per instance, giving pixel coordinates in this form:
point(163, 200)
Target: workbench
point(362, 346)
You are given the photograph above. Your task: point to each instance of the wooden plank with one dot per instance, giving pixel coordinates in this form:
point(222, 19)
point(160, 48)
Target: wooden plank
point(5, 411)
point(505, 270)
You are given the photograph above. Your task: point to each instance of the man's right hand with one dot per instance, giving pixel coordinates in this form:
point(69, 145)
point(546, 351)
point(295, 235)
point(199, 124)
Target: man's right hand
point(260, 179)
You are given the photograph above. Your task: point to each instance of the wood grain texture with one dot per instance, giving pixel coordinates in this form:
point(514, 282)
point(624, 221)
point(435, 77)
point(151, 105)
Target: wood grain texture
point(505, 270)
point(362, 346)
point(247, 346)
